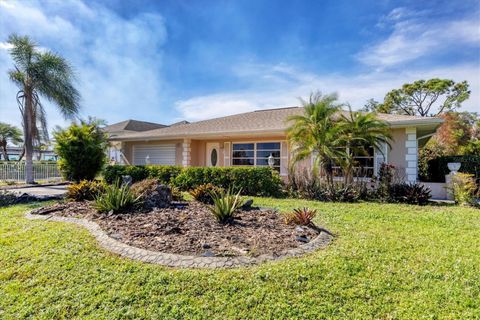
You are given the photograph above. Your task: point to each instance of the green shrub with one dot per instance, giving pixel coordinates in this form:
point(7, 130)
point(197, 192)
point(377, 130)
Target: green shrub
point(85, 190)
point(177, 194)
point(301, 216)
point(164, 174)
point(225, 204)
point(203, 193)
point(7, 198)
point(116, 198)
point(82, 151)
point(437, 168)
point(464, 189)
point(412, 193)
point(259, 181)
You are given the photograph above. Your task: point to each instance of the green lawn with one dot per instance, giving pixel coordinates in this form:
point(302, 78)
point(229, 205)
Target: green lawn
point(387, 262)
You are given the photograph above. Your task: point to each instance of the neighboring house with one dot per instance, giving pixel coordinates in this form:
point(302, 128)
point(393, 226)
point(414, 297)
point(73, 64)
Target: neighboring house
point(248, 139)
point(14, 154)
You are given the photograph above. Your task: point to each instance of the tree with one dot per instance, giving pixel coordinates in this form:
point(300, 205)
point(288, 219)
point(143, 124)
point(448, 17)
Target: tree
point(316, 133)
point(423, 97)
point(40, 74)
point(9, 133)
point(360, 132)
point(82, 150)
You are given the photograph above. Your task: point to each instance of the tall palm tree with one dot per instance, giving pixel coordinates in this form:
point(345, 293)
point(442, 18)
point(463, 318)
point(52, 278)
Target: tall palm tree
point(9, 133)
point(40, 74)
point(317, 134)
point(362, 131)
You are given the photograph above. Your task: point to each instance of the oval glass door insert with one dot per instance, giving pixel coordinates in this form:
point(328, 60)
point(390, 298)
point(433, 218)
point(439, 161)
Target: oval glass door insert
point(213, 157)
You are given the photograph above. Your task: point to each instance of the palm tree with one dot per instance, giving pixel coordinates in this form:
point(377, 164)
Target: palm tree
point(362, 131)
point(317, 133)
point(40, 74)
point(9, 133)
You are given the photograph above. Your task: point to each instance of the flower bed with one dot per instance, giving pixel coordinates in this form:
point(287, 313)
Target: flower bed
point(190, 229)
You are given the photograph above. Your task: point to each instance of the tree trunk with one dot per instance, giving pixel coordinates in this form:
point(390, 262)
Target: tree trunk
point(28, 122)
point(4, 150)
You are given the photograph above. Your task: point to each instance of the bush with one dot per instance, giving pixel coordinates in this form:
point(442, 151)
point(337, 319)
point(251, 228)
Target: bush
point(82, 151)
point(464, 189)
point(308, 186)
point(203, 193)
point(413, 193)
point(437, 168)
point(177, 194)
point(259, 181)
point(225, 204)
point(301, 217)
point(164, 174)
point(85, 190)
point(116, 198)
point(7, 198)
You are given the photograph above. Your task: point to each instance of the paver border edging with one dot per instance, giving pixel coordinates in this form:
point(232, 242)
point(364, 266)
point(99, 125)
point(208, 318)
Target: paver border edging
point(178, 260)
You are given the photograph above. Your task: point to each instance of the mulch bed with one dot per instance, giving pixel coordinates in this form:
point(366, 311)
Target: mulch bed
point(192, 230)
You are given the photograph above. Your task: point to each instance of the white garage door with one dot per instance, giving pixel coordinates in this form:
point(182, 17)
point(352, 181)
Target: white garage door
point(157, 154)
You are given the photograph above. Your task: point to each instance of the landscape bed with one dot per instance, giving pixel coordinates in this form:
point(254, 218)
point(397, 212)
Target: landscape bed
point(189, 228)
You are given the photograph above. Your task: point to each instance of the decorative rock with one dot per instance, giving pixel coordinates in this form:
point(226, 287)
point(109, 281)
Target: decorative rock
point(160, 197)
point(248, 204)
point(299, 229)
point(303, 239)
point(127, 180)
point(208, 253)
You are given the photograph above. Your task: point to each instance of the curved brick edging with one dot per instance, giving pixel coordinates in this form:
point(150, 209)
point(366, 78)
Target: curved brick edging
point(178, 260)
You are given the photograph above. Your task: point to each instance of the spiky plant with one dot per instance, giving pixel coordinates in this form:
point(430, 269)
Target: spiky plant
point(225, 204)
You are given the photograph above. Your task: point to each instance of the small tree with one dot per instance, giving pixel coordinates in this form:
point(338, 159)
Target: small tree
point(317, 133)
point(423, 98)
point(82, 150)
point(9, 133)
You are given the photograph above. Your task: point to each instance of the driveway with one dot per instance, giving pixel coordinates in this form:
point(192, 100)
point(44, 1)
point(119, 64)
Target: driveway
point(48, 190)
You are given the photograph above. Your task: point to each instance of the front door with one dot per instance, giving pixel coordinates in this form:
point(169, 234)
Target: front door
point(213, 154)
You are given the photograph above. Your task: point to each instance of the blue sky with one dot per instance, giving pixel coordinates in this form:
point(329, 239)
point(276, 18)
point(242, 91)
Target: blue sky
point(165, 61)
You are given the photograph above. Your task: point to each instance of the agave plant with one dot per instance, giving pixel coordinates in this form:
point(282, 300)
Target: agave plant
point(225, 204)
point(301, 216)
point(116, 198)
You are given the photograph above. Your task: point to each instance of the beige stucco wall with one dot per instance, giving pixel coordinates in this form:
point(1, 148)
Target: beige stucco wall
point(396, 154)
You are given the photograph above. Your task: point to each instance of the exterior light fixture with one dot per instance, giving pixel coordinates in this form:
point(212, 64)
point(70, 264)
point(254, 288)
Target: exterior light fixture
point(147, 159)
point(271, 161)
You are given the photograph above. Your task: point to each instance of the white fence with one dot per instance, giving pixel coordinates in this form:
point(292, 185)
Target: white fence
point(15, 171)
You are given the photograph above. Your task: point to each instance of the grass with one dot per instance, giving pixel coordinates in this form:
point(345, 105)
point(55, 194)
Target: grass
point(387, 262)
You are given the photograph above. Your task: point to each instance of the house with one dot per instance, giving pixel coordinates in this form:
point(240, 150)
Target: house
point(14, 154)
point(249, 139)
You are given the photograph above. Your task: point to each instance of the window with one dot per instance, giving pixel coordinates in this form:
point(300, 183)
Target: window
point(364, 163)
point(256, 154)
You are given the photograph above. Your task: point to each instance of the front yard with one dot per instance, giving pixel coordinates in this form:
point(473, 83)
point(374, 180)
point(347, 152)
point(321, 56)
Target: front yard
point(388, 261)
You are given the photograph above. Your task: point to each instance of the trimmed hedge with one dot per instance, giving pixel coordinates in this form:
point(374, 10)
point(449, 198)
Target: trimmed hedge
point(437, 168)
point(138, 173)
point(259, 181)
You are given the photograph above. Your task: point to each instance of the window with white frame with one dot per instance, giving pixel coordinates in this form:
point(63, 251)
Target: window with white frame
point(256, 154)
point(364, 163)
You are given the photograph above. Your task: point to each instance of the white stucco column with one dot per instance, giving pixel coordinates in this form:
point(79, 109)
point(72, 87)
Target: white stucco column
point(411, 157)
point(186, 152)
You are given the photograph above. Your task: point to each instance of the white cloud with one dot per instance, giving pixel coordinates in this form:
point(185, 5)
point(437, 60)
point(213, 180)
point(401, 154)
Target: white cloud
point(290, 84)
point(117, 60)
point(414, 37)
